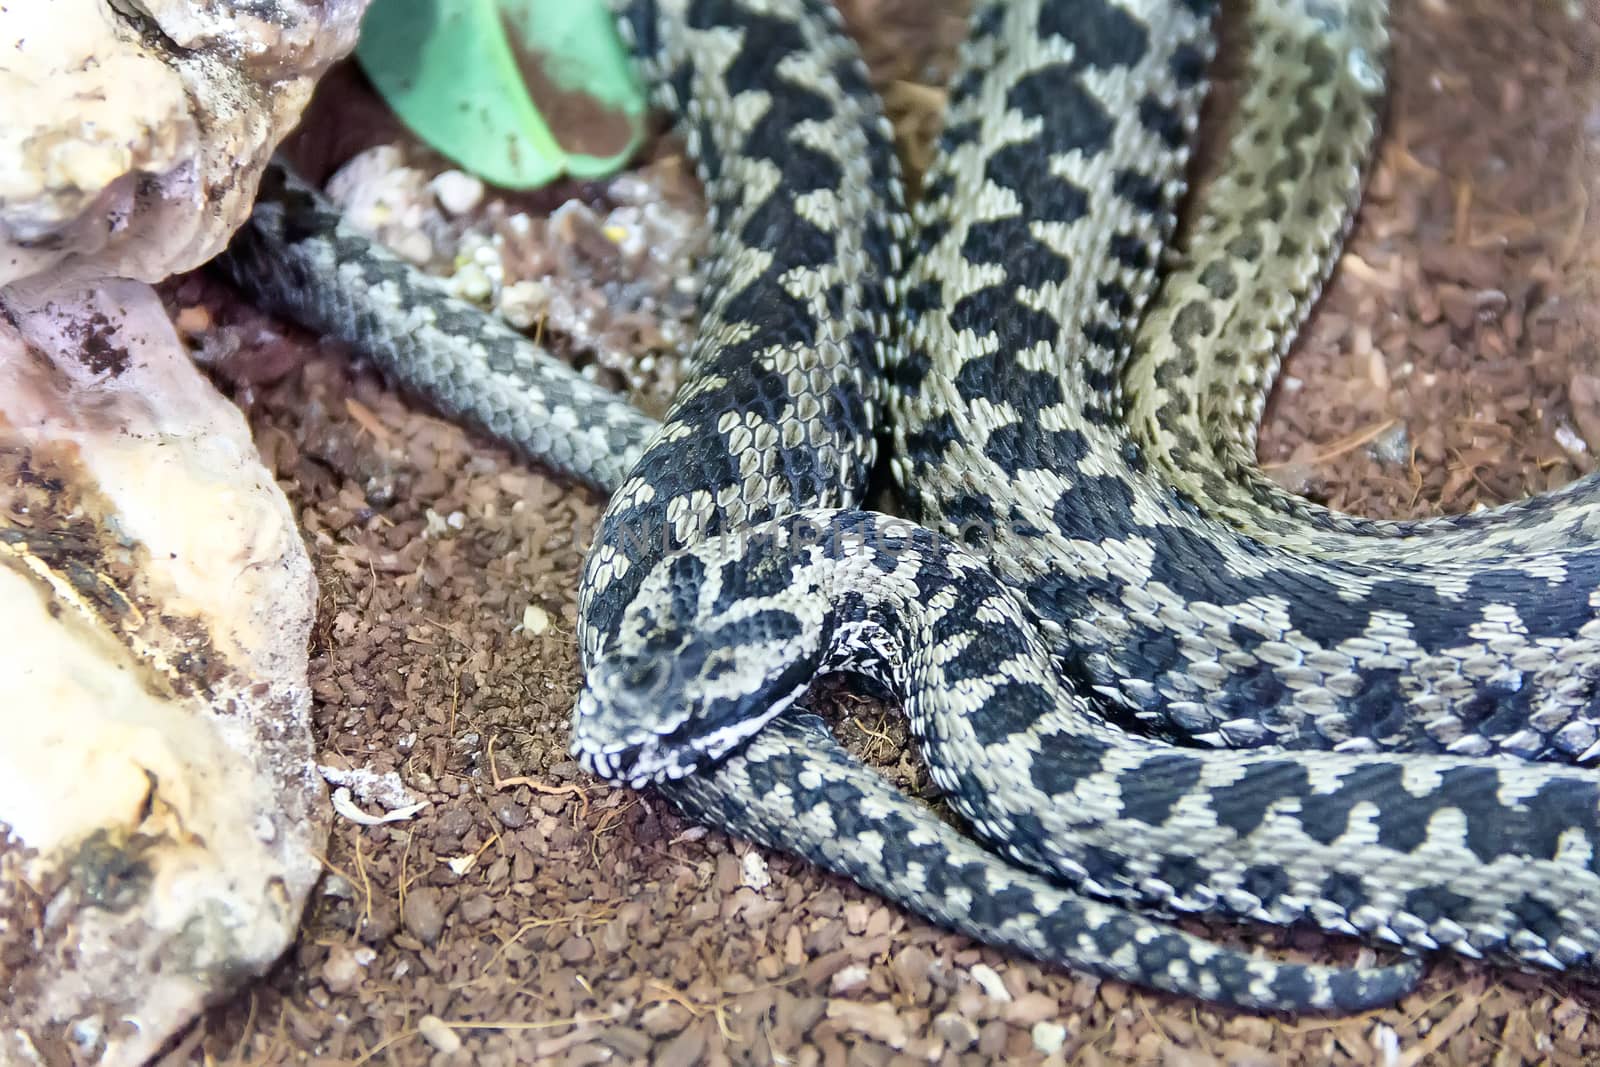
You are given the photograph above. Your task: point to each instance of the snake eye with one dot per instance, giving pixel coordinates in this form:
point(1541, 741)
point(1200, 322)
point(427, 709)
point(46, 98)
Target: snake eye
point(647, 674)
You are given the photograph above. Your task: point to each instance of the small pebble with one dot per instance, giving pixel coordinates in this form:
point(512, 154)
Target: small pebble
point(343, 968)
point(1048, 1037)
point(192, 320)
point(477, 908)
point(535, 620)
point(423, 914)
point(912, 966)
point(1387, 1044)
point(1393, 446)
point(511, 814)
point(86, 1032)
point(1115, 995)
point(684, 1050)
point(663, 1018)
point(881, 1021)
point(992, 1039)
point(956, 1032)
point(851, 979)
point(456, 191)
point(1032, 1008)
point(455, 821)
point(472, 283)
point(1583, 393)
point(522, 302)
point(755, 871)
point(436, 1032)
point(987, 977)
point(380, 924)
point(576, 949)
point(413, 245)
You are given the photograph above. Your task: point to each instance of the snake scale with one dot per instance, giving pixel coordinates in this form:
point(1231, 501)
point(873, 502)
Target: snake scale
point(1102, 570)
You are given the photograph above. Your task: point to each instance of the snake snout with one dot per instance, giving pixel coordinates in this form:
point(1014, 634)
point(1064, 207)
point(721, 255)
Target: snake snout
point(609, 738)
point(666, 708)
point(631, 706)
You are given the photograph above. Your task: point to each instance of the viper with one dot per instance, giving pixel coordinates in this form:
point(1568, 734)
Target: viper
point(1101, 571)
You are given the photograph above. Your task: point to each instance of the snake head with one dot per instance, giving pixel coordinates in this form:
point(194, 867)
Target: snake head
point(705, 657)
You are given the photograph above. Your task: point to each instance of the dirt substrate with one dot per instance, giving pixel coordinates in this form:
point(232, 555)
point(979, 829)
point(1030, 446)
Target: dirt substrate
point(529, 914)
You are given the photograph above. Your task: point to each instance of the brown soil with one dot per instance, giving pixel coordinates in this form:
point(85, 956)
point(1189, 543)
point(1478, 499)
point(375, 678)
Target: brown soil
point(530, 914)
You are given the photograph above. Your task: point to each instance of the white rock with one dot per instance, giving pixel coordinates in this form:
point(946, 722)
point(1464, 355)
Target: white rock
point(378, 193)
point(1048, 1037)
point(535, 620)
point(988, 978)
point(457, 191)
point(157, 774)
point(1387, 1044)
point(344, 805)
point(850, 979)
point(522, 302)
point(385, 790)
point(755, 873)
point(134, 134)
point(472, 284)
point(438, 1033)
point(344, 968)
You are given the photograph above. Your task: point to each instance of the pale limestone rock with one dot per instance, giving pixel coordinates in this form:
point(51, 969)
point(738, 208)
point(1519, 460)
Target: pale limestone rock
point(135, 130)
point(156, 769)
point(159, 807)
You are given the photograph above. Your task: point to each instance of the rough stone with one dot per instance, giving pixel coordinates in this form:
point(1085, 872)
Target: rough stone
point(135, 133)
point(163, 818)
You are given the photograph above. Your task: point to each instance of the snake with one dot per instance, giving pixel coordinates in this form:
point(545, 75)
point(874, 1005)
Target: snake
point(1469, 635)
point(1229, 617)
point(734, 563)
point(791, 786)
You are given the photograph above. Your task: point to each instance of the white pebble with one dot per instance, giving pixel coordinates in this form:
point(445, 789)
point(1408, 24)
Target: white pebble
point(522, 302)
point(87, 1031)
point(343, 969)
point(535, 620)
point(1387, 1044)
point(986, 977)
point(412, 245)
point(472, 283)
point(755, 871)
point(851, 979)
point(1570, 442)
point(439, 1034)
point(1049, 1037)
point(457, 191)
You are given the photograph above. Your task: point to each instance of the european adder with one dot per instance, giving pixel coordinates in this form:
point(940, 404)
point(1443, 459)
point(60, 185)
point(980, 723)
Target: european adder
point(731, 568)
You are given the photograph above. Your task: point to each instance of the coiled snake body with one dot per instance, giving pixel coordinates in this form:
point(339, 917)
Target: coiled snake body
point(1133, 555)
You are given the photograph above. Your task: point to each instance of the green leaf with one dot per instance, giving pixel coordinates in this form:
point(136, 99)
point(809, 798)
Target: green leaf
point(518, 92)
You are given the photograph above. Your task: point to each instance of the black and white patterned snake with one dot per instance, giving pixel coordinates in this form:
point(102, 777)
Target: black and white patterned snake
point(1145, 677)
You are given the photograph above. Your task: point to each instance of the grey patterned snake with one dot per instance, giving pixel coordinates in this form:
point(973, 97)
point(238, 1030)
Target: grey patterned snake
point(1136, 562)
